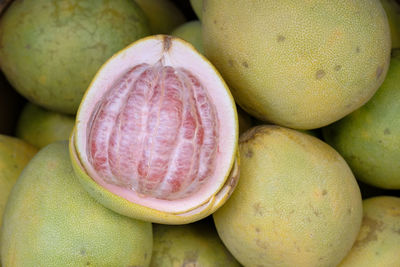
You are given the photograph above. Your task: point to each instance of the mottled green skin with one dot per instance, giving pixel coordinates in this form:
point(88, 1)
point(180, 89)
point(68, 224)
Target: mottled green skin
point(14, 155)
point(378, 243)
point(190, 32)
point(296, 204)
point(163, 15)
point(392, 9)
point(195, 244)
point(41, 127)
point(295, 63)
point(50, 50)
point(50, 220)
point(369, 138)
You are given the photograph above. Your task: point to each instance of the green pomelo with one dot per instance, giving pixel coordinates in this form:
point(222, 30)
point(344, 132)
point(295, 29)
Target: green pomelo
point(163, 15)
point(190, 32)
point(14, 155)
point(195, 244)
point(197, 6)
point(378, 243)
point(392, 9)
point(41, 127)
point(50, 50)
point(300, 64)
point(369, 138)
point(50, 220)
point(297, 202)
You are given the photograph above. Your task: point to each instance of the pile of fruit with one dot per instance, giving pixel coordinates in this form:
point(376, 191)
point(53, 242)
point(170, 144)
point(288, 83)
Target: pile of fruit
point(199, 133)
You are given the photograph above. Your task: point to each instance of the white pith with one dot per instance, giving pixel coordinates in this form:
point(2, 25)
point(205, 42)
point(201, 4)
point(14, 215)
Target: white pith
point(179, 54)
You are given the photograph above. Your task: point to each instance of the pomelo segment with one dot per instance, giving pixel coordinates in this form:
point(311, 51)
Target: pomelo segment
point(156, 133)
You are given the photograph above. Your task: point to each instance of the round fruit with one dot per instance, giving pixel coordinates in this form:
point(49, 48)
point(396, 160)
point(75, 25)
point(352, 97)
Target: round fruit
point(50, 220)
point(156, 133)
point(369, 138)
point(163, 15)
point(14, 155)
point(297, 202)
point(300, 64)
point(392, 9)
point(190, 32)
point(41, 127)
point(195, 244)
point(50, 50)
point(378, 242)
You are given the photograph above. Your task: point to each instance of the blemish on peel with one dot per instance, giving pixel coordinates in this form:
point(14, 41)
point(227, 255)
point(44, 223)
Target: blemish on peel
point(280, 38)
point(319, 74)
point(386, 131)
point(338, 67)
point(245, 64)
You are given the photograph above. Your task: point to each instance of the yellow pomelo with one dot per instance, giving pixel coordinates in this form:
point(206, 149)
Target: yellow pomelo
point(14, 155)
point(50, 220)
point(41, 127)
point(378, 243)
point(300, 64)
point(297, 202)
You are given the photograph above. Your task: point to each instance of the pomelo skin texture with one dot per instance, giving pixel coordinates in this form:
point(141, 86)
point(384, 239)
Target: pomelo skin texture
point(297, 202)
point(14, 155)
point(195, 244)
point(300, 64)
point(378, 242)
point(163, 15)
point(50, 220)
point(41, 127)
point(156, 134)
point(392, 9)
point(369, 138)
point(50, 50)
point(190, 32)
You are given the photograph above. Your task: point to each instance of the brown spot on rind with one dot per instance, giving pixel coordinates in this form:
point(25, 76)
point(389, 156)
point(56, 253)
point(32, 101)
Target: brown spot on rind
point(215, 21)
point(231, 62)
point(319, 74)
point(258, 209)
point(249, 153)
point(338, 67)
point(167, 41)
point(379, 71)
point(324, 192)
point(245, 64)
point(281, 38)
point(371, 227)
point(261, 244)
point(386, 131)
point(258, 230)
point(358, 50)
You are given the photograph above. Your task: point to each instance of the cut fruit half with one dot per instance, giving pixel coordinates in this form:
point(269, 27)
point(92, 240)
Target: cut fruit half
point(156, 134)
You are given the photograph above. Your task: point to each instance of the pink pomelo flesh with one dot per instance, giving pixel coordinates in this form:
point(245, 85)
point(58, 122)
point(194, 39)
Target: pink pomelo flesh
point(155, 131)
point(158, 127)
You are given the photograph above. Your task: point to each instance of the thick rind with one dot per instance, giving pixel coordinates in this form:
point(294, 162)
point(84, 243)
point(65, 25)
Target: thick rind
point(134, 210)
point(168, 211)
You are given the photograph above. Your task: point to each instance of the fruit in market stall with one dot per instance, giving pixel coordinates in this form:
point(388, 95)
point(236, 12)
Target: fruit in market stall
point(378, 242)
point(50, 220)
point(163, 15)
point(41, 127)
point(392, 9)
point(300, 64)
point(190, 32)
point(369, 138)
point(297, 202)
point(156, 134)
point(50, 50)
point(14, 155)
point(195, 244)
